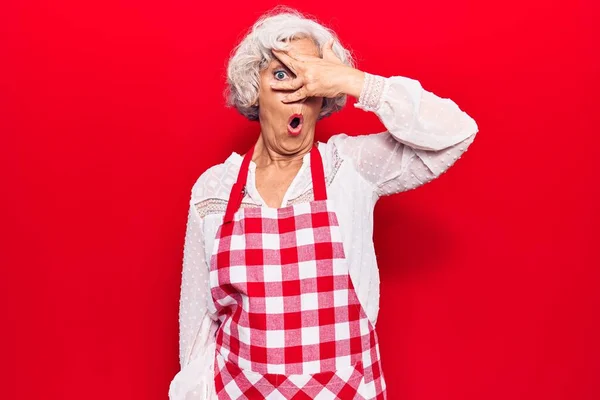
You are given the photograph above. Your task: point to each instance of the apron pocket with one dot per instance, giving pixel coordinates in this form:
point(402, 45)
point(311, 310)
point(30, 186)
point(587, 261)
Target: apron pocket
point(348, 378)
point(333, 380)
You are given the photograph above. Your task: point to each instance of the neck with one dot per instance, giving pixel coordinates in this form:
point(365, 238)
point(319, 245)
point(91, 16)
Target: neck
point(267, 154)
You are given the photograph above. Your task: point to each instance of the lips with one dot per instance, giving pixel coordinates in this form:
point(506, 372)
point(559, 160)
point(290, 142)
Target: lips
point(295, 123)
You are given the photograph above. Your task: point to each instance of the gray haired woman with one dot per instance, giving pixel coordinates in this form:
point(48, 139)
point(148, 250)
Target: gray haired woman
point(280, 284)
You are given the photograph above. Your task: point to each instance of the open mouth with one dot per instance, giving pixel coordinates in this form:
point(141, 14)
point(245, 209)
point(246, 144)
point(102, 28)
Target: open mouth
point(295, 124)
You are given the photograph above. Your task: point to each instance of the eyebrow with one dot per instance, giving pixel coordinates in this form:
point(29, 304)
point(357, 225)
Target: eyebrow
point(279, 64)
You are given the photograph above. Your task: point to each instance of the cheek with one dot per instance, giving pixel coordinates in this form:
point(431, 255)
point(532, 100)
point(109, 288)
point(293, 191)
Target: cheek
point(269, 99)
point(315, 104)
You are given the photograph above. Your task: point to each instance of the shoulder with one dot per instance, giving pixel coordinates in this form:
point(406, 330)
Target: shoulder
point(216, 181)
point(334, 145)
point(334, 154)
point(340, 145)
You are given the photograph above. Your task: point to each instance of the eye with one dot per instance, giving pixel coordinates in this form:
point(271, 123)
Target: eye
point(280, 74)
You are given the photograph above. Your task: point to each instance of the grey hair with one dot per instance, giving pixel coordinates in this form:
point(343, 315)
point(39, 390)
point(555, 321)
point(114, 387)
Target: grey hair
point(253, 54)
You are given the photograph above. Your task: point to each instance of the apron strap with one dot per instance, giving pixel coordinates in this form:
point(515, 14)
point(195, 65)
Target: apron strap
point(318, 174)
point(238, 189)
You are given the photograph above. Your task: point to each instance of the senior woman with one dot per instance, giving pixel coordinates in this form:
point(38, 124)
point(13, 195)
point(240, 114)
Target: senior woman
point(280, 284)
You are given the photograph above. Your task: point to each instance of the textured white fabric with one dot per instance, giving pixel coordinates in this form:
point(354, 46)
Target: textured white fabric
point(425, 134)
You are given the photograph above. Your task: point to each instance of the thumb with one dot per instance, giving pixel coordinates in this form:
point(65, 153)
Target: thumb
point(328, 53)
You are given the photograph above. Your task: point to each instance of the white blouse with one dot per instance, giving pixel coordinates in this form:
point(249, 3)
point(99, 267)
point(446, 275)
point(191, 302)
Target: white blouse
point(425, 134)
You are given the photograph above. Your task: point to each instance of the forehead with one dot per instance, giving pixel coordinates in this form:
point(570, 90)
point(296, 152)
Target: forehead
point(304, 46)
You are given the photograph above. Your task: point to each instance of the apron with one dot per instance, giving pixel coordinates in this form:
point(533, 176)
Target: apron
point(291, 325)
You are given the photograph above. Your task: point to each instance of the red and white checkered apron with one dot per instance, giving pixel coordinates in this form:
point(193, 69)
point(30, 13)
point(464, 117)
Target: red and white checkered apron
point(291, 325)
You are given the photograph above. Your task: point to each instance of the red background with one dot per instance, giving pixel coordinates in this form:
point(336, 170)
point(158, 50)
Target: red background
point(110, 111)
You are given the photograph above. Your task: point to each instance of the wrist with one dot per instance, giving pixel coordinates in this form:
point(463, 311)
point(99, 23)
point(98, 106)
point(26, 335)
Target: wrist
point(372, 92)
point(352, 82)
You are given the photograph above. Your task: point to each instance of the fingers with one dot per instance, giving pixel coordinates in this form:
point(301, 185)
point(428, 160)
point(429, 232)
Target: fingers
point(328, 53)
point(296, 56)
point(286, 59)
point(295, 96)
point(325, 47)
point(294, 84)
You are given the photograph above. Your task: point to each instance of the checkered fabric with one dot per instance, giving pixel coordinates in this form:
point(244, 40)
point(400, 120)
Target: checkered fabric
point(292, 326)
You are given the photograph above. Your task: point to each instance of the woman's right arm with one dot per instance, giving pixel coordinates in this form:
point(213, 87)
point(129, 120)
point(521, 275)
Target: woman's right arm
point(195, 381)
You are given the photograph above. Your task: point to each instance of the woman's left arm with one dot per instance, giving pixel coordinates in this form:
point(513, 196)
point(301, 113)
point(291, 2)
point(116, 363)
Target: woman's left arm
point(425, 133)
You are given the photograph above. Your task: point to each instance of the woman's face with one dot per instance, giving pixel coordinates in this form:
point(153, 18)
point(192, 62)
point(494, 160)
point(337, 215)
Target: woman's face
point(279, 129)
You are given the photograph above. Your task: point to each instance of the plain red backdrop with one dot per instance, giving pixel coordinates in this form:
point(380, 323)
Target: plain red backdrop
point(109, 111)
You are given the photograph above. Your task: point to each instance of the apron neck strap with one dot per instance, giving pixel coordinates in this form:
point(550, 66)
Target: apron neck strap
point(318, 174)
point(238, 189)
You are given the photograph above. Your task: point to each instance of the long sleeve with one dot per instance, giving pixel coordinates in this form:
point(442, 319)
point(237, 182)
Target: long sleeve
point(425, 134)
point(196, 327)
